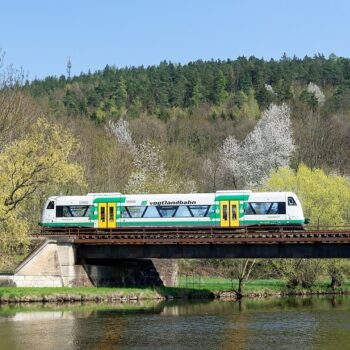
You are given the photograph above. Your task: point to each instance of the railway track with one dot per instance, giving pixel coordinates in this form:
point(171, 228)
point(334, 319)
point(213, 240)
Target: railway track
point(200, 235)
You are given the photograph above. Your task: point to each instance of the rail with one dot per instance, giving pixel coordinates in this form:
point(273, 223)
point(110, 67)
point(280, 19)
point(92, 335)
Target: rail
point(201, 235)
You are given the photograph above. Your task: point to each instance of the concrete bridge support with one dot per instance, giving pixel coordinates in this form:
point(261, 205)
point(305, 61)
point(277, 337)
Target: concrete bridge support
point(56, 264)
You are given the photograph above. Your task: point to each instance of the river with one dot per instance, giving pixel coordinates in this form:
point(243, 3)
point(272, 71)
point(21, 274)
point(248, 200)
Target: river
point(281, 323)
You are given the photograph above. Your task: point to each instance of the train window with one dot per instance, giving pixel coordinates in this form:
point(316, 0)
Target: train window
point(136, 212)
point(199, 210)
point(51, 205)
point(79, 210)
point(249, 210)
point(234, 212)
point(265, 208)
point(273, 209)
point(111, 214)
point(151, 212)
point(124, 213)
point(224, 212)
point(103, 214)
point(59, 211)
point(260, 208)
point(183, 211)
point(281, 208)
point(291, 201)
point(167, 212)
point(73, 210)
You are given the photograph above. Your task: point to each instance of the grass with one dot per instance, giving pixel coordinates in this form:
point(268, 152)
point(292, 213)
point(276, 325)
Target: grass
point(85, 292)
point(99, 293)
point(191, 287)
point(219, 284)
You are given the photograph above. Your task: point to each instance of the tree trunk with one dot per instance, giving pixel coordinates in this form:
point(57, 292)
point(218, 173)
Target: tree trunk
point(240, 288)
point(335, 283)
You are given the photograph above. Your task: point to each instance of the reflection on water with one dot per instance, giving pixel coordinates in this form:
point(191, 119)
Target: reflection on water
point(289, 323)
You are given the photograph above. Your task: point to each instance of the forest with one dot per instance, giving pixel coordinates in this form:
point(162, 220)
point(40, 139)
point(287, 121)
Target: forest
point(246, 123)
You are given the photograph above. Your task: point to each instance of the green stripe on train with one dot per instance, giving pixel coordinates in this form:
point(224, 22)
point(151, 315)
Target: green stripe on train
point(67, 224)
point(235, 197)
point(272, 222)
point(110, 200)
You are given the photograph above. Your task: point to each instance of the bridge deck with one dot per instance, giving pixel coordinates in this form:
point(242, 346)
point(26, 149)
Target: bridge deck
point(200, 235)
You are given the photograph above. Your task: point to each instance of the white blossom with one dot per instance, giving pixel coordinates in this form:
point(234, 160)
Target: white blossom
point(268, 147)
point(149, 157)
point(314, 89)
point(136, 182)
point(269, 88)
point(120, 130)
point(149, 173)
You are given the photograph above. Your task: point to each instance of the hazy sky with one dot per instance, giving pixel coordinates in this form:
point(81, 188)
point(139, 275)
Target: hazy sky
point(41, 35)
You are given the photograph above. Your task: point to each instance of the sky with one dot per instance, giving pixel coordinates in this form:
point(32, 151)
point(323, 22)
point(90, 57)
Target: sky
point(40, 36)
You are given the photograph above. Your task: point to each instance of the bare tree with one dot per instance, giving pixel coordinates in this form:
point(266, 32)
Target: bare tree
point(14, 104)
point(241, 270)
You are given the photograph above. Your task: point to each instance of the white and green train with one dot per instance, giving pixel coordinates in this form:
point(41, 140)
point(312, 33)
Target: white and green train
point(221, 209)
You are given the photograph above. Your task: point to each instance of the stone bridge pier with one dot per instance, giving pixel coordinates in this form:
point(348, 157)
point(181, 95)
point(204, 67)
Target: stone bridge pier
point(57, 264)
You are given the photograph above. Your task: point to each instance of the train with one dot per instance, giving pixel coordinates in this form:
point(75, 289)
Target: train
point(230, 209)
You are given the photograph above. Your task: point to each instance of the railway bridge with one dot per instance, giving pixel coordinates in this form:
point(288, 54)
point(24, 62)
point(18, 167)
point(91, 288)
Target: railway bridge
point(204, 242)
point(134, 256)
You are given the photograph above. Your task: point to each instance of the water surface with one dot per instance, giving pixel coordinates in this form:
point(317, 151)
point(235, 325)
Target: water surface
point(288, 323)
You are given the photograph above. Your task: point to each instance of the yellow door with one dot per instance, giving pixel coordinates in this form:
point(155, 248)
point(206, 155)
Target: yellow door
point(234, 213)
point(107, 215)
point(229, 213)
point(112, 222)
point(224, 214)
point(102, 215)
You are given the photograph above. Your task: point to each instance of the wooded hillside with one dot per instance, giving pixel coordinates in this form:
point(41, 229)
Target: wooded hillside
point(203, 126)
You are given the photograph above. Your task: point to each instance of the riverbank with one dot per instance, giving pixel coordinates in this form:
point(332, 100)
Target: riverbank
point(262, 287)
point(84, 294)
point(203, 288)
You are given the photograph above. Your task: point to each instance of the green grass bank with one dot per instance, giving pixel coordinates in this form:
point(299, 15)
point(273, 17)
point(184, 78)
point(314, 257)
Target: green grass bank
point(189, 288)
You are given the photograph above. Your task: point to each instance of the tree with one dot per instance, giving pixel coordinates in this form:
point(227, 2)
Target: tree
point(297, 272)
point(317, 92)
point(240, 269)
point(264, 95)
point(120, 130)
point(283, 90)
point(325, 198)
point(121, 94)
point(250, 107)
point(14, 104)
point(268, 147)
point(337, 269)
point(150, 174)
point(38, 162)
point(196, 95)
point(309, 98)
point(106, 109)
point(219, 93)
point(71, 101)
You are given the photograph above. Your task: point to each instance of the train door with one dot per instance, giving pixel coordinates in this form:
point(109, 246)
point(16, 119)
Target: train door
point(107, 215)
point(229, 213)
point(234, 213)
